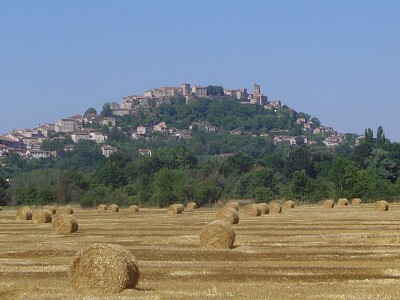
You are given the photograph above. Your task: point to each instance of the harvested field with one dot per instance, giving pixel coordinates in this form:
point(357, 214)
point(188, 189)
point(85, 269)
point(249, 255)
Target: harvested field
point(306, 253)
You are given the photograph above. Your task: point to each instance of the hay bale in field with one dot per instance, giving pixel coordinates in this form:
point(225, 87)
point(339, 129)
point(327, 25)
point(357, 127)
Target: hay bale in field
point(24, 213)
point(228, 214)
point(191, 205)
point(64, 210)
point(41, 216)
point(64, 224)
point(343, 202)
point(176, 209)
point(133, 208)
point(102, 206)
point(52, 209)
point(103, 269)
point(232, 204)
point(381, 205)
point(264, 208)
point(252, 210)
point(217, 235)
point(329, 203)
point(275, 207)
point(356, 201)
point(113, 208)
point(288, 204)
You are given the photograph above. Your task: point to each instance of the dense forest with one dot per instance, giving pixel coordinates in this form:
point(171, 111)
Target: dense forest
point(208, 166)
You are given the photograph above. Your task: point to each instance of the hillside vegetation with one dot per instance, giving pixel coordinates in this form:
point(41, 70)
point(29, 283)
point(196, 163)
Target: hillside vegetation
point(208, 165)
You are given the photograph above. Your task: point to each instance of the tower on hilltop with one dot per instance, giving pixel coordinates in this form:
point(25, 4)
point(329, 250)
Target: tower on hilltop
point(256, 88)
point(185, 89)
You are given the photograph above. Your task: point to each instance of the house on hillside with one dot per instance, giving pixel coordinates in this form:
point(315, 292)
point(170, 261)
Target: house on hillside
point(3, 150)
point(66, 125)
point(145, 152)
point(107, 150)
point(108, 121)
point(98, 137)
point(78, 136)
point(38, 153)
point(160, 127)
point(199, 91)
point(203, 127)
point(121, 112)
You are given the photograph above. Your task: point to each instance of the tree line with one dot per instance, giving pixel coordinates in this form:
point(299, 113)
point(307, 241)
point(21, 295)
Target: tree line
point(193, 169)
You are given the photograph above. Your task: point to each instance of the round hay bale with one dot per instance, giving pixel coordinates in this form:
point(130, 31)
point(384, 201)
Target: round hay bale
point(264, 208)
point(191, 205)
point(175, 209)
point(24, 213)
point(252, 210)
point(381, 205)
point(288, 204)
point(103, 269)
point(133, 208)
point(41, 216)
point(217, 235)
point(343, 202)
point(64, 224)
point(232, 204)
point(329, 203)
point(50, 208)
point(113, 208)
point(102, 206)
point(275, 207)
point(228, 214)
point(356, 201)
point(65, 210)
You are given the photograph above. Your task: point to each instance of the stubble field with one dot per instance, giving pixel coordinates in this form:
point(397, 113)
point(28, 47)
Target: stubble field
point(309, 252)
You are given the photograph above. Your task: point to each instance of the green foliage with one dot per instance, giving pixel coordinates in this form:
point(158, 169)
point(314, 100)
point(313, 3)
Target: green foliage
point(195, 169)
point(116, 135)
point(168, 187)
point(86, 154)
point(90, 110)
point(237, 164)
point(215, 90)
point(106, 110)
point(111, 171)
point(344, 175)
point(96, 195)
point(52, 145)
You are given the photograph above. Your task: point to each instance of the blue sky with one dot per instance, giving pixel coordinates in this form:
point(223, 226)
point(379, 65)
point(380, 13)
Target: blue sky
point(335, 60)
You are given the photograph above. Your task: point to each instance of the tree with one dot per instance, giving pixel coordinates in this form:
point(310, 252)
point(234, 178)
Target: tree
point(237, 164)
point(168, 187)
point(380, 136)
point(52, 145)
point(106, 110)
point(316, 121)
point(343, 174)
point(361, 153)
point(381, 160)
point(303, 115)
point(298, 159)
point(116, 135)
point(368, 136)
point(112, 172)
point(215, 90)
point(90, 110)
point(300, 185)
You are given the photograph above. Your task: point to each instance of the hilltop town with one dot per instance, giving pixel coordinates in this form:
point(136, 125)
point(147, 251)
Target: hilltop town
point(28, 143)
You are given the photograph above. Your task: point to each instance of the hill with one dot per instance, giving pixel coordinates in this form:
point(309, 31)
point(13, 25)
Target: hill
point(163, 148)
